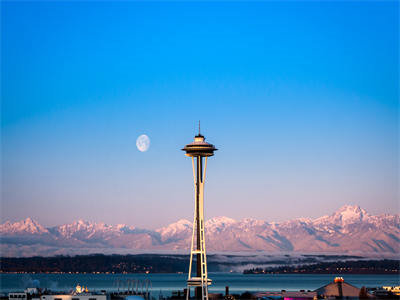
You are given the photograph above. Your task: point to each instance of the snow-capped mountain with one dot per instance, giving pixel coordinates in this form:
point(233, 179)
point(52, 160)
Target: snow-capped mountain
point(350, 230)
point(345, 215)
point(27, 226)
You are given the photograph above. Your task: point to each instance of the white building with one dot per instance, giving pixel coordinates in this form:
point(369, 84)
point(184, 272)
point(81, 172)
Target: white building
point(17, 296)
point(74, 297)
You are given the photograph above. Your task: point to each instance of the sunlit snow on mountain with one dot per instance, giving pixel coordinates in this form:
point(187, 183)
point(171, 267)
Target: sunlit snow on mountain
point(350, 230)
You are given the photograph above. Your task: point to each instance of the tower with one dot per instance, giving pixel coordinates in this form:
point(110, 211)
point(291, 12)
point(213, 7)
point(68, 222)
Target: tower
point(198, 150)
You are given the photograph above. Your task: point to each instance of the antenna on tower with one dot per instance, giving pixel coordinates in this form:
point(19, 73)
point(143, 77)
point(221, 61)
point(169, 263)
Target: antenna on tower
point(199, 127)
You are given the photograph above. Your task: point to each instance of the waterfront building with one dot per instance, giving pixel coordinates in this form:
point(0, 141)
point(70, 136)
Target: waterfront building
point(338, 289)
point(386, 292)
point(395, 290)
point(74, 297)
point(287, 295)
point(80, 293)
point(18, 296)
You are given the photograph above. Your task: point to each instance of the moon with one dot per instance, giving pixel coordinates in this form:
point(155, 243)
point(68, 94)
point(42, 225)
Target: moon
point(143, 143)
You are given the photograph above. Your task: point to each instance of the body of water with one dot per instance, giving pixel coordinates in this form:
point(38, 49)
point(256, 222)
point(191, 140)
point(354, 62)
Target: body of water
point(166, 283)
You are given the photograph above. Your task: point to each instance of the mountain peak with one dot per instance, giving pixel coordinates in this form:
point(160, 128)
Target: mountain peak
point(351, 213)
point(181, 225)
point(220, 221)
point(27, 226)
point(82, 222)
point(347, 214)
point(349, 207)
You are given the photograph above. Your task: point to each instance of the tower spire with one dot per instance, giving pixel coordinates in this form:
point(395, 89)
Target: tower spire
point(199, 127)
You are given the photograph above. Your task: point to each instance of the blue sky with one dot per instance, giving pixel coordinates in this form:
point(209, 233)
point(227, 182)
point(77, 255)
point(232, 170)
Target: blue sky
point(301, 98)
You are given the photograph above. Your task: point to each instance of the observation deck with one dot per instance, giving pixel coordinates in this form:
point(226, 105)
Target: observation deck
point(199, 147)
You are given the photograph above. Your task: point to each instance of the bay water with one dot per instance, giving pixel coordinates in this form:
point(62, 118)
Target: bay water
point(164, 284)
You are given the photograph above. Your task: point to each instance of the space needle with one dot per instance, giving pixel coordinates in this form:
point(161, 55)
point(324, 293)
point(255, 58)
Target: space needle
point(198, 150)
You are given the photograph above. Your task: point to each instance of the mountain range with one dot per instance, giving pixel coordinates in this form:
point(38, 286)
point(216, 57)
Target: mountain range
point(350, 230)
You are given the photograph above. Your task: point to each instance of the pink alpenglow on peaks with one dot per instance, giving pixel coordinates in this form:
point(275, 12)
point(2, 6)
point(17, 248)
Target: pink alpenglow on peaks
point(350, 230)
point(347, 214)
point(27, 226)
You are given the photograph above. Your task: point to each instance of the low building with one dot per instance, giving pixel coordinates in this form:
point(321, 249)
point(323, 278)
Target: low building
point(395, 290)
point(80, 293)
point(302, 295)
point(74, 297)
point(338, 289)
point(17, 296)
point(286, 295)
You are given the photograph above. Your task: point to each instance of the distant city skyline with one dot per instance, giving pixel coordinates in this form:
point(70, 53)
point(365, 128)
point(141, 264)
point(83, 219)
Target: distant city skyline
point(301, 99)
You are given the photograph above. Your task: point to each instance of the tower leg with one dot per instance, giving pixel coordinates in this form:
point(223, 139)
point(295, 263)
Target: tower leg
point(198, 228)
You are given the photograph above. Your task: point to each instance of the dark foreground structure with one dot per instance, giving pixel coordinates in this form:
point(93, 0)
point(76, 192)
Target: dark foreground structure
point(338, 289)
point(135, 290)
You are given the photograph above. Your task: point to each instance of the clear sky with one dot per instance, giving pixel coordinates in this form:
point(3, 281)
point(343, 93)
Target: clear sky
point(300, 98)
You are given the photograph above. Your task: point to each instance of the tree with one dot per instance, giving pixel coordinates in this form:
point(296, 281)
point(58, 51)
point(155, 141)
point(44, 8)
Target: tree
point(363, 293)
